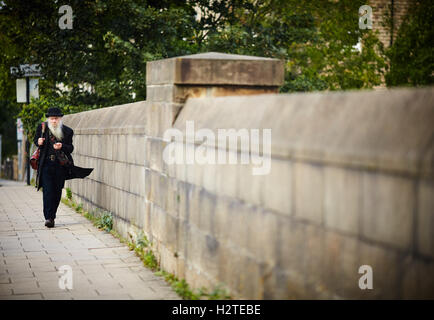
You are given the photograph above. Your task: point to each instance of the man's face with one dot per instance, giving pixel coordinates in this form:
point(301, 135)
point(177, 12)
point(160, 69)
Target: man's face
point(54, 121)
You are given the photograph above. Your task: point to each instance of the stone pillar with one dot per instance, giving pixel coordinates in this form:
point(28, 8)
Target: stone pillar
point(211, 75)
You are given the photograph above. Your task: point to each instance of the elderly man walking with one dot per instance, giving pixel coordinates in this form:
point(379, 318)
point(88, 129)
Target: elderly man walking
point(55, 162)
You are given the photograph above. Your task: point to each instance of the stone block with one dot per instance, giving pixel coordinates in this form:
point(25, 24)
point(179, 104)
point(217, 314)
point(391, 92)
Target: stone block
point(181, 171)
point(170, 230)
point(162, 193)
point(216, 69)
point(168, 260)
point(209, 177)
point(341, 264)
point(146, 216)
point(152, 115)
point(207, 207)
point(388, 209)
point(222, 220)
point(155, 154)
point(418, 280)
point(263, 227)
point(136, 149)
point(109, 146)
point(250, 187)
point(149, 188)
point(277, 193)
point(136, 179)
point(173, 197)
point(227, 180)
point(193, 239)
point(425, 218)
point(121, 148)
point(180, 93)
point(107, 170)
point(342, 199)
point(160, 71)
point(239, 222)
point(180, 267)
point(192, 210)
point(230, 266)
point(285, 284)
point(98, 145)
point(309, 192)
point(183, 190)
point(182, 240)
point(163, 92)
point(193, 172)
point(251, 282)
point(166, 117)
point(386, 271)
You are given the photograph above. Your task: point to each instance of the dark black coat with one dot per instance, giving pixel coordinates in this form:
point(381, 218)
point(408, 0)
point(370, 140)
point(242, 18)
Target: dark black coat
point(71, 172)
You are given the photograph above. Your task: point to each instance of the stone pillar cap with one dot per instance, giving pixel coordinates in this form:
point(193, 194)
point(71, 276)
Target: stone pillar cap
point(214, 68)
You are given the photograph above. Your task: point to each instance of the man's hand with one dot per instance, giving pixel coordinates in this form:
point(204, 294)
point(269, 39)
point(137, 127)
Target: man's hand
point(57, 145)
point(41, 141)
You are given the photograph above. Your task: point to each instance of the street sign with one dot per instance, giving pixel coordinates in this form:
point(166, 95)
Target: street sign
point(15, 71)
point(26, 70)
point(21, 90)
point(30, 70)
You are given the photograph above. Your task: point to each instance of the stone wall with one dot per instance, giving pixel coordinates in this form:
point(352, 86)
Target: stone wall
point(351, 183)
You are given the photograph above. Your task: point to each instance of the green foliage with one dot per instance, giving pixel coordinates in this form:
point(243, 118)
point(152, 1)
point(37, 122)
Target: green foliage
point(102, 60)
point(8, 130)
point(218, 293)
point(34, 113)
point(79, 208)
point(103, 220)
point(317, 39)
point(143, 248)
point(111, 41)
point(68, 193)
point(412, 53)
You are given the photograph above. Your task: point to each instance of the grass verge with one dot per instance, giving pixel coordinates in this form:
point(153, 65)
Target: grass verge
point(142, 247)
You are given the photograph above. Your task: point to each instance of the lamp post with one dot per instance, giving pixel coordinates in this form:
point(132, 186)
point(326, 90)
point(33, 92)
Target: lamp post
point(31, 89)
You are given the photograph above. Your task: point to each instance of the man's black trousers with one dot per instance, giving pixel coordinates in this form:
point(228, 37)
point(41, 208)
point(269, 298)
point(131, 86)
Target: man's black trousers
point(53, 180)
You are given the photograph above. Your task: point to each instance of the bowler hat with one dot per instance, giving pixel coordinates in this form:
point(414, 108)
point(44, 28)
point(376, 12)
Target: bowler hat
point(54, 112)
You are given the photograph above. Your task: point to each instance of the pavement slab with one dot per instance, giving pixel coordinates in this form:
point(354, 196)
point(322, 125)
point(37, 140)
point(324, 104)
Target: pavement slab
point(73, 261)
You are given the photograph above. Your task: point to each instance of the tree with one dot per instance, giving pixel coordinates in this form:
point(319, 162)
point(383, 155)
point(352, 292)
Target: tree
point(412, 54)
point(316, 38)
point(102, 60)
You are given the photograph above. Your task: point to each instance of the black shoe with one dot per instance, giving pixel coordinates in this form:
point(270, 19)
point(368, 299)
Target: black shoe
point(49, 223)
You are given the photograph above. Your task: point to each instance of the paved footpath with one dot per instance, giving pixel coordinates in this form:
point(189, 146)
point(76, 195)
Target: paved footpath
point(32, 256)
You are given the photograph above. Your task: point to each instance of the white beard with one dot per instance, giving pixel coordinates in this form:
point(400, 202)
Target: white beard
point(56, 131)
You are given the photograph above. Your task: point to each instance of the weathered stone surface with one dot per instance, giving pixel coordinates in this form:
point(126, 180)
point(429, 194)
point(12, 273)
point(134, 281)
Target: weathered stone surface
point(342, 199)
point(425, 218)
point(376, 130)
point(180, 93)
point(351, 182)
point(216, 69)
point(309, 192)
point(388, 209)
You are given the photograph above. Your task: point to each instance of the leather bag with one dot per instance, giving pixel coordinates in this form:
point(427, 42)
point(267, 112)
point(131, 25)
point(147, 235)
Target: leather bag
point(34, 159)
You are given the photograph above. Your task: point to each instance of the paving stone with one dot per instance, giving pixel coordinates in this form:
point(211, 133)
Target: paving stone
point(36, 296)
point(32, 255)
